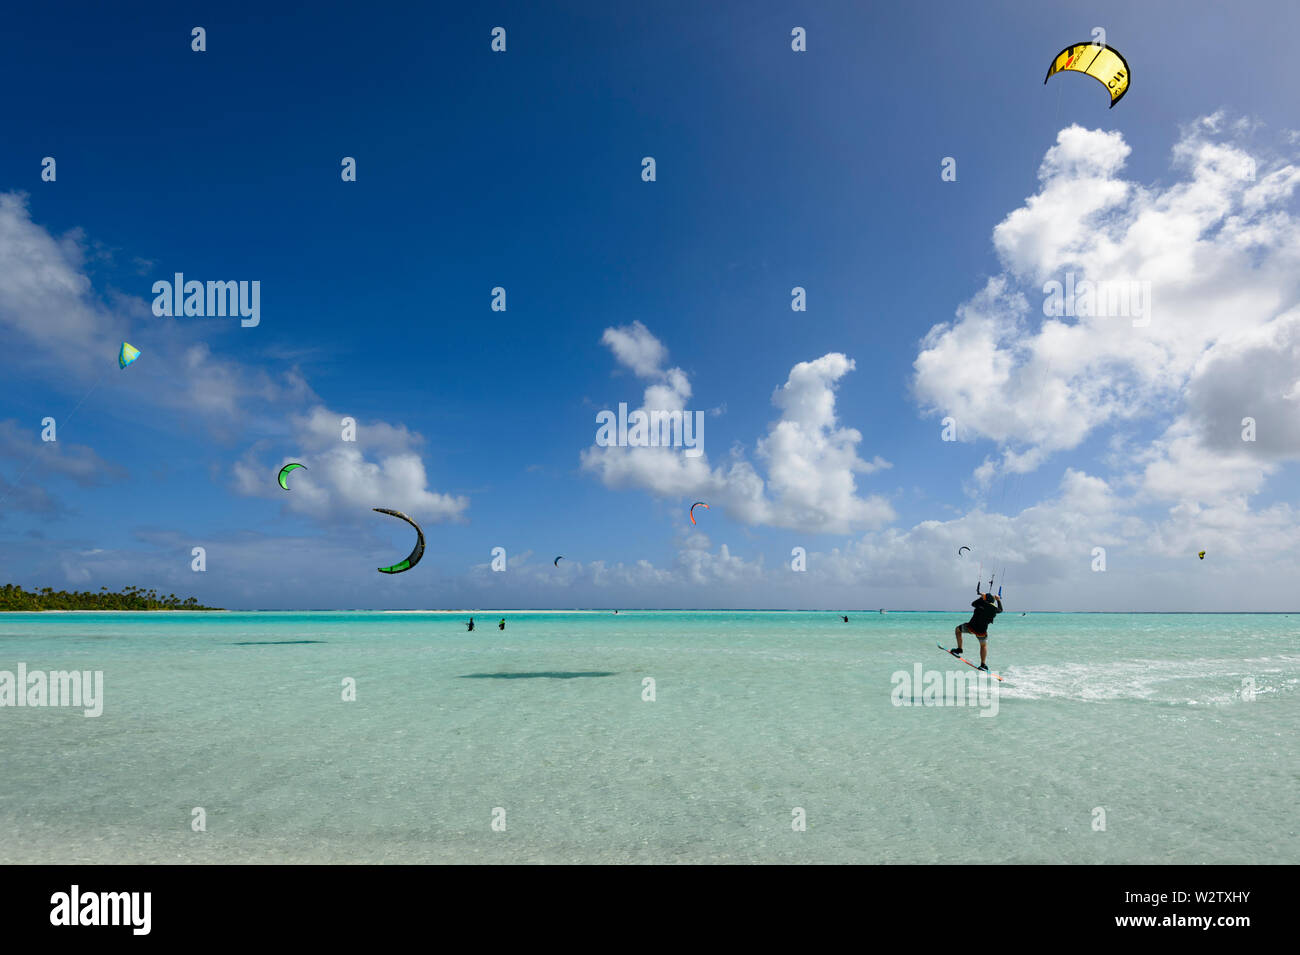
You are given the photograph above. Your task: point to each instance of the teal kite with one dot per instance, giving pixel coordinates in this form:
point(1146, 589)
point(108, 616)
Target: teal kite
point(127, 354)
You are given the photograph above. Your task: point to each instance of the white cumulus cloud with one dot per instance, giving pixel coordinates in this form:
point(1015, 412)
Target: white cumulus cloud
point(811, 460)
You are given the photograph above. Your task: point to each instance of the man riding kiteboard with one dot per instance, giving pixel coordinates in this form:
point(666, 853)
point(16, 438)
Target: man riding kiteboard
point(986, 607)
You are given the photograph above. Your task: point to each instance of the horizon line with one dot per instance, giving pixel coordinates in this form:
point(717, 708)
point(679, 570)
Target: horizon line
point(611, 610)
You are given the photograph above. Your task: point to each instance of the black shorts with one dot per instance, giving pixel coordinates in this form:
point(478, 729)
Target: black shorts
point(969, 627)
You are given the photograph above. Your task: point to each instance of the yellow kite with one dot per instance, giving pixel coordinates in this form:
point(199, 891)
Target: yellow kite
point(1103, 63)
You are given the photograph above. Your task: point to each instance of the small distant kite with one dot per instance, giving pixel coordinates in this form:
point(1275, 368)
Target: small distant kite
point(1103, 63)
point(1201, 555)
point(960, 549)
point(284, 472)
point(694, 506)
point(414, 556)
point(127, 354)
point(558, 559)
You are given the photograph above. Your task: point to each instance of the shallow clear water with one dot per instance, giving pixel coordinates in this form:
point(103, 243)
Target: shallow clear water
point(1150, 718)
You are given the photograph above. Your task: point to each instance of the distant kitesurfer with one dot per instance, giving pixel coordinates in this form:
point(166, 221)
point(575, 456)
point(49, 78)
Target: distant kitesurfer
point(986, 607)
point(846, 619)
point(502, 624)
point(470, 625)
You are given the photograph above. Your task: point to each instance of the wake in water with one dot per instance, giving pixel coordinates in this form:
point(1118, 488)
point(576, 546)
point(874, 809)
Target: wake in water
point(1206, 681)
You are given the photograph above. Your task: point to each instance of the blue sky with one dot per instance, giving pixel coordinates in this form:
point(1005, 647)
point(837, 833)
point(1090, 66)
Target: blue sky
point(522, 170)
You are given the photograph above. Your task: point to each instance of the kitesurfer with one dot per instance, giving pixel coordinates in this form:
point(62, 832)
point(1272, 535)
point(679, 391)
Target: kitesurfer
point(846, 619)
point(502, 624)
point(986, 607)
point(470, 625)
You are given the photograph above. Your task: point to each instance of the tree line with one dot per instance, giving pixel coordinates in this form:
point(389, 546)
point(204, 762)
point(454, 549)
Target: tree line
point(13, 597)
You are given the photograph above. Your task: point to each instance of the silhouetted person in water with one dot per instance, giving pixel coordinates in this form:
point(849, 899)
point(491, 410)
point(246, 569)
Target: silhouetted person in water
point(846, 619)
point(502, 624)
point(470, 625)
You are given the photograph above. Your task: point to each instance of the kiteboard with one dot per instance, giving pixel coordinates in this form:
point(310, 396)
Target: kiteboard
point(969, 664)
